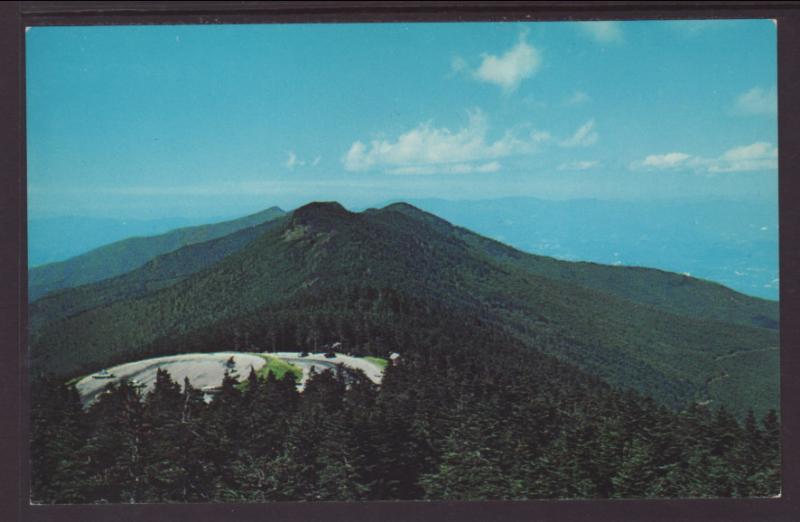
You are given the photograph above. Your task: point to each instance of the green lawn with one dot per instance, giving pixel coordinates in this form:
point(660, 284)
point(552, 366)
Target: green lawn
point(383, 363)
point(275, 366)
point(278, 368)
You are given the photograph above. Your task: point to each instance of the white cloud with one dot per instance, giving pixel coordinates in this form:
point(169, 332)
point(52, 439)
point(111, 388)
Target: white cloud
point(578, 165)
point(293, 161)
point(583, 137)
point(756, 156)
point(603, 32)
point(760, 149)
point(507, 70)
point(428, 149)
point(757, 101)
point(578, 98)
point(672, 159)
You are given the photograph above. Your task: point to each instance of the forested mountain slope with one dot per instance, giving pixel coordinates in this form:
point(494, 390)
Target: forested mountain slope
point(128, 254)
point(160, 272)
point(676, 293)
point(449, 422)
point(274, 290)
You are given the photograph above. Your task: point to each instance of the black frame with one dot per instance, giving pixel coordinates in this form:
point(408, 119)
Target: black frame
point(14, 488)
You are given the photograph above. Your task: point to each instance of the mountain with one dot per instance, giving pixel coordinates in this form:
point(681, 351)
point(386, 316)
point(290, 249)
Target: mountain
point(734, 243)
point(676, 293)
point(54, 239)
point(125, 255)
point(304, 281)
point(160, 272)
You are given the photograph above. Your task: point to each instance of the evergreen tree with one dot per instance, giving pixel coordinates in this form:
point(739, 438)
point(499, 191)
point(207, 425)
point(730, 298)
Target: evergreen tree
point(342, 460)
point(469, 468)
point(222, 437)
point(58, 431)
point(636, 473)
point(197, 476)
point(767, 480)
point(114, 449)
point(446, 423)
point(164, 469)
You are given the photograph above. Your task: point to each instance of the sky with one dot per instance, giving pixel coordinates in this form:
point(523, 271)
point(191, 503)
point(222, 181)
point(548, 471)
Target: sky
point(162, 121)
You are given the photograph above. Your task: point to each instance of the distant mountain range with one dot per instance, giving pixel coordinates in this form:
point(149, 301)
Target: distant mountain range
point(54, 239)
point(732, 243)
point(130, 253)
point(670, 336)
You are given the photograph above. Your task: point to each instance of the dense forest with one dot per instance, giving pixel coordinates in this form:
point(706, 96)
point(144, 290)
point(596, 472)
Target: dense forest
point(668, 336)
point(469, 413)
point(520, 376)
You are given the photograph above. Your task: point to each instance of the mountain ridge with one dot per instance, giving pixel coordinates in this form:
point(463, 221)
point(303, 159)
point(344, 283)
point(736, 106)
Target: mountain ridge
point(125, 255)
point(323, 248)
point(731, 242)
point(569, 271)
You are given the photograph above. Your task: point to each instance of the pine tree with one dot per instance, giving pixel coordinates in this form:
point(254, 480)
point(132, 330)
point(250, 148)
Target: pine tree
point(222, 438)
point(163, 470)
point(470, 467)
point(342, 462)
point(563, 472)
point(767, 480)
point(58, 432)
point(113, 451)
point(196, 479)
point(636, 473)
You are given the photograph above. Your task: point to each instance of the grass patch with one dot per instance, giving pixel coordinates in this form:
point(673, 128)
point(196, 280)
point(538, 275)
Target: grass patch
point(278, 368)
point(275, 366)
point(377, 361)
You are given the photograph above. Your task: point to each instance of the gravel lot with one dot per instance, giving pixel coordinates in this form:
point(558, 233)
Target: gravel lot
point(202, 369)
point(208, 369)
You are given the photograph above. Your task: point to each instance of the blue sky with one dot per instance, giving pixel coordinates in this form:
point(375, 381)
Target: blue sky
point(200, 121)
